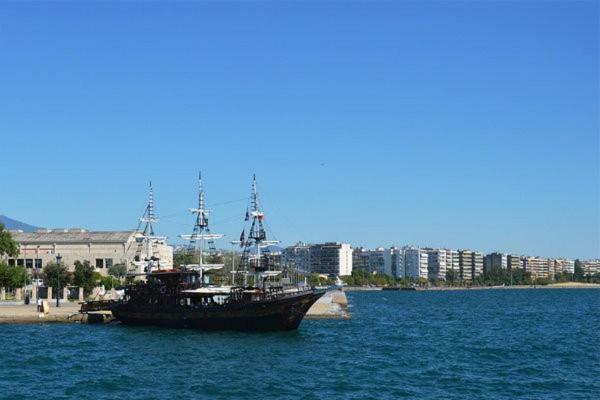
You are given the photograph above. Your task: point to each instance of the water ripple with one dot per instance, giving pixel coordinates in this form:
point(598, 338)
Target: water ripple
point(534, 344)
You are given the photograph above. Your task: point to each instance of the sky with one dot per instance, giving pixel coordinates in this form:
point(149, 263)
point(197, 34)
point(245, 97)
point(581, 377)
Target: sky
point(460, 124)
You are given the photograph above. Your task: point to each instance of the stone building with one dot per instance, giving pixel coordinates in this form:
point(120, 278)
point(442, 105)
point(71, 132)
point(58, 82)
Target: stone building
point(101, 248)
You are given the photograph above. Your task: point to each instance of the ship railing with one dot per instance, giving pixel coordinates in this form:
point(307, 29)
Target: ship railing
point(96, 305)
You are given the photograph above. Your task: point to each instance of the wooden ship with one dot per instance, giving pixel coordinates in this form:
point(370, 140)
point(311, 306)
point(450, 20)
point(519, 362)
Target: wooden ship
point(184, 298)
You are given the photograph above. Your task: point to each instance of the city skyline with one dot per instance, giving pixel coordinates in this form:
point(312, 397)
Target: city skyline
point(374, 124)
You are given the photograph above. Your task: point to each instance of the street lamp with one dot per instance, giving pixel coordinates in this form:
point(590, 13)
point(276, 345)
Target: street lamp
point(58, 258)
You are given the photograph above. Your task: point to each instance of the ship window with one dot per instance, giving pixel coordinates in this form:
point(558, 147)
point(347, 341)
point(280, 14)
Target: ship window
point(29, 263)
point(99, 263)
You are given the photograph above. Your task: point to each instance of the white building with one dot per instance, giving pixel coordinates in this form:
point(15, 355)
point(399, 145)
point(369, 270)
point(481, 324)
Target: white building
point(564, 266)
point(380, 261)
point(440, 261)
point(415, 263)
point(334, 259)
point(590, 267)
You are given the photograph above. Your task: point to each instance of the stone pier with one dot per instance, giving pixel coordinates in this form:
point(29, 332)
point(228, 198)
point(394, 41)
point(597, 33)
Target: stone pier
point(332, 304)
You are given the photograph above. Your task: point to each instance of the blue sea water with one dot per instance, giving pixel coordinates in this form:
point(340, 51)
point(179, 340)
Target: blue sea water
point(492, 344)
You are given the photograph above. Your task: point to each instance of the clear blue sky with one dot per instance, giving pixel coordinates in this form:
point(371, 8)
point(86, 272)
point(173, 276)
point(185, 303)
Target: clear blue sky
point(460, 124)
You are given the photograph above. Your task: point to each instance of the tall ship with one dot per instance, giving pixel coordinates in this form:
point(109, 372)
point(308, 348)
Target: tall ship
point(184, 297)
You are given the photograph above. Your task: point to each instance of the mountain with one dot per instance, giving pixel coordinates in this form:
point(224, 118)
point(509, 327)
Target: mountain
point(10, 223)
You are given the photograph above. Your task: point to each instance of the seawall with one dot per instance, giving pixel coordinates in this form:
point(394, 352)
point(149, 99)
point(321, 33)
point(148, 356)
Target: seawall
point(332, 304)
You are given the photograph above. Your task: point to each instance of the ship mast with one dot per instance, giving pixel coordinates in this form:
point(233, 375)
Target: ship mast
point(201, 233)
point(148, 238)
point(257, 239)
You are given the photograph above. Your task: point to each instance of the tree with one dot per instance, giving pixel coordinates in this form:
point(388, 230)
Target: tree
point(452, 277)
point(12, 277)
point(7, 244)
point(51, 276)
point(119, 271)
point(184, 258)
point(579, 275)
point(83, 276)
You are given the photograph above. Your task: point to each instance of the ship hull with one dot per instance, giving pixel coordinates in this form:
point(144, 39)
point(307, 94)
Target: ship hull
point(279, 314)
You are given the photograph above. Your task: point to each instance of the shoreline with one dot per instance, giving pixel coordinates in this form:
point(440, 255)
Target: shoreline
point(567, 285)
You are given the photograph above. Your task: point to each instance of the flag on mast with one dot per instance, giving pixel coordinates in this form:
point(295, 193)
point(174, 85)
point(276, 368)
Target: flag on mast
point(243, 237)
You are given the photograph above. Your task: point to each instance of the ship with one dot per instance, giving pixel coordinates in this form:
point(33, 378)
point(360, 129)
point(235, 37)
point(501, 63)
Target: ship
point(185, 297)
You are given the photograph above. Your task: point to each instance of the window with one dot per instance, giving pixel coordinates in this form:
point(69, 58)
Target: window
point(38, 263)
point(99, 263)
point(29, 263)
point(108, 262)
point(11, 262)
point(20, 262)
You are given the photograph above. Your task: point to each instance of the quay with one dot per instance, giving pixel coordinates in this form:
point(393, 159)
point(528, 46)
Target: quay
point(333, 305)
point(68, 312)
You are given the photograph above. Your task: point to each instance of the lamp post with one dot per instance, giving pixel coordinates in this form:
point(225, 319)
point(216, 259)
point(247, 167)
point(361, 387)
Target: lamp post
point(58, 258)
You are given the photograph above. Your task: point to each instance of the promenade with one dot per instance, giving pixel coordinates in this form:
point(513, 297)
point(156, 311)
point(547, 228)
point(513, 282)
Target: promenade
point(12, 312)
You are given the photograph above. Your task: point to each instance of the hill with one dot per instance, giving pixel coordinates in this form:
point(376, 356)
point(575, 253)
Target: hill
point(10, 223)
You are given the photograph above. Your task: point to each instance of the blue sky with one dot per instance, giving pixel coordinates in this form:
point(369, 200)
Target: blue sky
point(461, 124)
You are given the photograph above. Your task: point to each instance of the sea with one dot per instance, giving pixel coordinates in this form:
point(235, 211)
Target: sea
point(478, 344)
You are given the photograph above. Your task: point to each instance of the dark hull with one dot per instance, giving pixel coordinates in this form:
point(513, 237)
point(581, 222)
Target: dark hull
point(279, 314)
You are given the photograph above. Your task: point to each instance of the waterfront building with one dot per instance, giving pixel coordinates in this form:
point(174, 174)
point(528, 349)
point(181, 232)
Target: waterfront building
point(477, 268)
point(465, 264)
point(415, 263)
point(397, 262)
point(494, 261)
point(360, 259)
point(564, 266)
point(455, 265)
point(439, 262)
point(591, 267)
point(102, 249)
point(538, 267)
point(513, 262)
point(334, 259)
point(380, 261)
point(470, 264)
point(297, 256)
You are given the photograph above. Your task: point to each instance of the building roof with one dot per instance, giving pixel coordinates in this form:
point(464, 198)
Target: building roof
point(47, 236)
